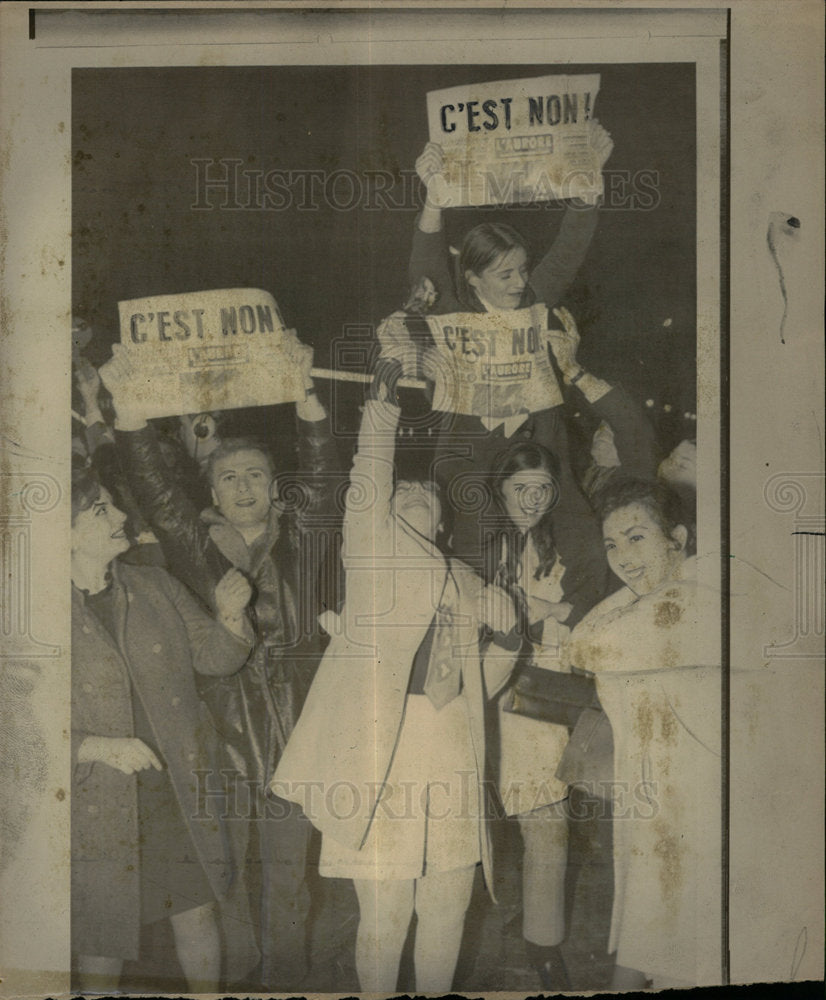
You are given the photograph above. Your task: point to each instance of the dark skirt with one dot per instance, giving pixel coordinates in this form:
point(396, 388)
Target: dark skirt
point(172, 878)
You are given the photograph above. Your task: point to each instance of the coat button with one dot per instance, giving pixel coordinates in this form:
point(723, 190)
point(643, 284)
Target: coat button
point(93, 809)
point(176, 702)
point(87, 688)
point(85, 629)
point(156, 647)
point(191, 756)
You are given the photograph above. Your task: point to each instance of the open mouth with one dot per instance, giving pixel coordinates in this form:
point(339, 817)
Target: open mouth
point(120, 533)
point(635, 574)
point(245, 503)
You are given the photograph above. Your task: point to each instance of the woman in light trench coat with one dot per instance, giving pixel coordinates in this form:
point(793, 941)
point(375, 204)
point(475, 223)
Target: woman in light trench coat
point(387, 759)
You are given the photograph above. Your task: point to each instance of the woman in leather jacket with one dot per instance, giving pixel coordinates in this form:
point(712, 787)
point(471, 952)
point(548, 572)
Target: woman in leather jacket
point(275, 532)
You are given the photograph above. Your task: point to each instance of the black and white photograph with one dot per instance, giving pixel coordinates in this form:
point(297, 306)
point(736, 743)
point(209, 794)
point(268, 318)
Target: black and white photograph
point(411, 635)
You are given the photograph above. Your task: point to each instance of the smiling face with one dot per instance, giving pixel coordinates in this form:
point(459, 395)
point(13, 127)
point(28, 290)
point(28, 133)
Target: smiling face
point(418, 504)
point(241, 487)
point(502, 283)
point(639, 551)
point(98, 532)
point(527, 496)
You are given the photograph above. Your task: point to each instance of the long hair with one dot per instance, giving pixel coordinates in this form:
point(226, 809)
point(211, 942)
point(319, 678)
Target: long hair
point(480, 248)
point(526, 456)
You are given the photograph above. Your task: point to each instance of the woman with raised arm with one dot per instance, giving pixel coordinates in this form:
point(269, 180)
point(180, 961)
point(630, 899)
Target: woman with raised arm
point(492, 273)
point(388, 756)
point(140, 852)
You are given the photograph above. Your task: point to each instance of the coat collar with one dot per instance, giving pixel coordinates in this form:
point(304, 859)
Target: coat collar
point(230, 542)
point(116, 574)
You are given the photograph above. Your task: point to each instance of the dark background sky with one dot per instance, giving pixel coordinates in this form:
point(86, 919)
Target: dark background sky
point(135, 133)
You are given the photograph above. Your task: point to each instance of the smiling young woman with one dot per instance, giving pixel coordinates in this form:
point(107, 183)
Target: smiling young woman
point(138, 636)
point(657, 670)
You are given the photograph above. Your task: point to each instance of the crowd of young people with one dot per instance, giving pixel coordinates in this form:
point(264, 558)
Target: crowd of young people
point(214, 661)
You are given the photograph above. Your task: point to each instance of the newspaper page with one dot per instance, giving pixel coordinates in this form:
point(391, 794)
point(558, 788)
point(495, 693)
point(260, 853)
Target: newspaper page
point(493, 366)
point(213, 350)
point(517, 140)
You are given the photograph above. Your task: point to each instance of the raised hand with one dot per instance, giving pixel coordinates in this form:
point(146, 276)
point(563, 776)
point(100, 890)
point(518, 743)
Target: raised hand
point(430, 166)
point(88, 384)
point(565, 343)
point(601, 142)
point(386, 376)
point(128, 394)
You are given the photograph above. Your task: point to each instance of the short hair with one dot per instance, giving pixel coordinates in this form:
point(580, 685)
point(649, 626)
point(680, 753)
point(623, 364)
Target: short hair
point(664, 504)
point(480, 248)
point(230, 446)
point(86, 489)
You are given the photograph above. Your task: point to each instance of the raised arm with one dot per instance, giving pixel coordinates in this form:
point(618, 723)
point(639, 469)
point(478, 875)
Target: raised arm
point(163, 502)
point(429, 257)
point(318, 459)
point(634, 437)
point(555, 272)
point(369, 496)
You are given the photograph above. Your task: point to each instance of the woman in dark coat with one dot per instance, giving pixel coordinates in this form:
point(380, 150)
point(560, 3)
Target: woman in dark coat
point(141, 751)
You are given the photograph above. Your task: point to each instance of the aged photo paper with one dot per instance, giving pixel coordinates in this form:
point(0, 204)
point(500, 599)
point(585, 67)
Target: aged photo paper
point(207, 221)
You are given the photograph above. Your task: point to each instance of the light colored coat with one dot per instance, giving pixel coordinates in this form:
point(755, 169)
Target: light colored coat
point(656, 660)
point(338, 758)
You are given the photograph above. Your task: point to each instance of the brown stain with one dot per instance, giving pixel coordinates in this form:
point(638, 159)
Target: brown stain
point(590, 656)
point(60, 795)
point(669, 851)
point(668, 727)
point(667, 613)
point(669, 656)
point(644, 721)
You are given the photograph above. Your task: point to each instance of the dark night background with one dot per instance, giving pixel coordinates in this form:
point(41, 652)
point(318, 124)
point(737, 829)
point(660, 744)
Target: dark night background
point(135, 233)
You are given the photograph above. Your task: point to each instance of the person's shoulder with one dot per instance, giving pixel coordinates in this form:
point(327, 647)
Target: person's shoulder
point(467, 579)
point(618, 601)
point(143, 577)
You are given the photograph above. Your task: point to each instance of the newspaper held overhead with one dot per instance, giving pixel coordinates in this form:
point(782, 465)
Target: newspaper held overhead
point(517, 141)
point(215, 350)
point(493, 365)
